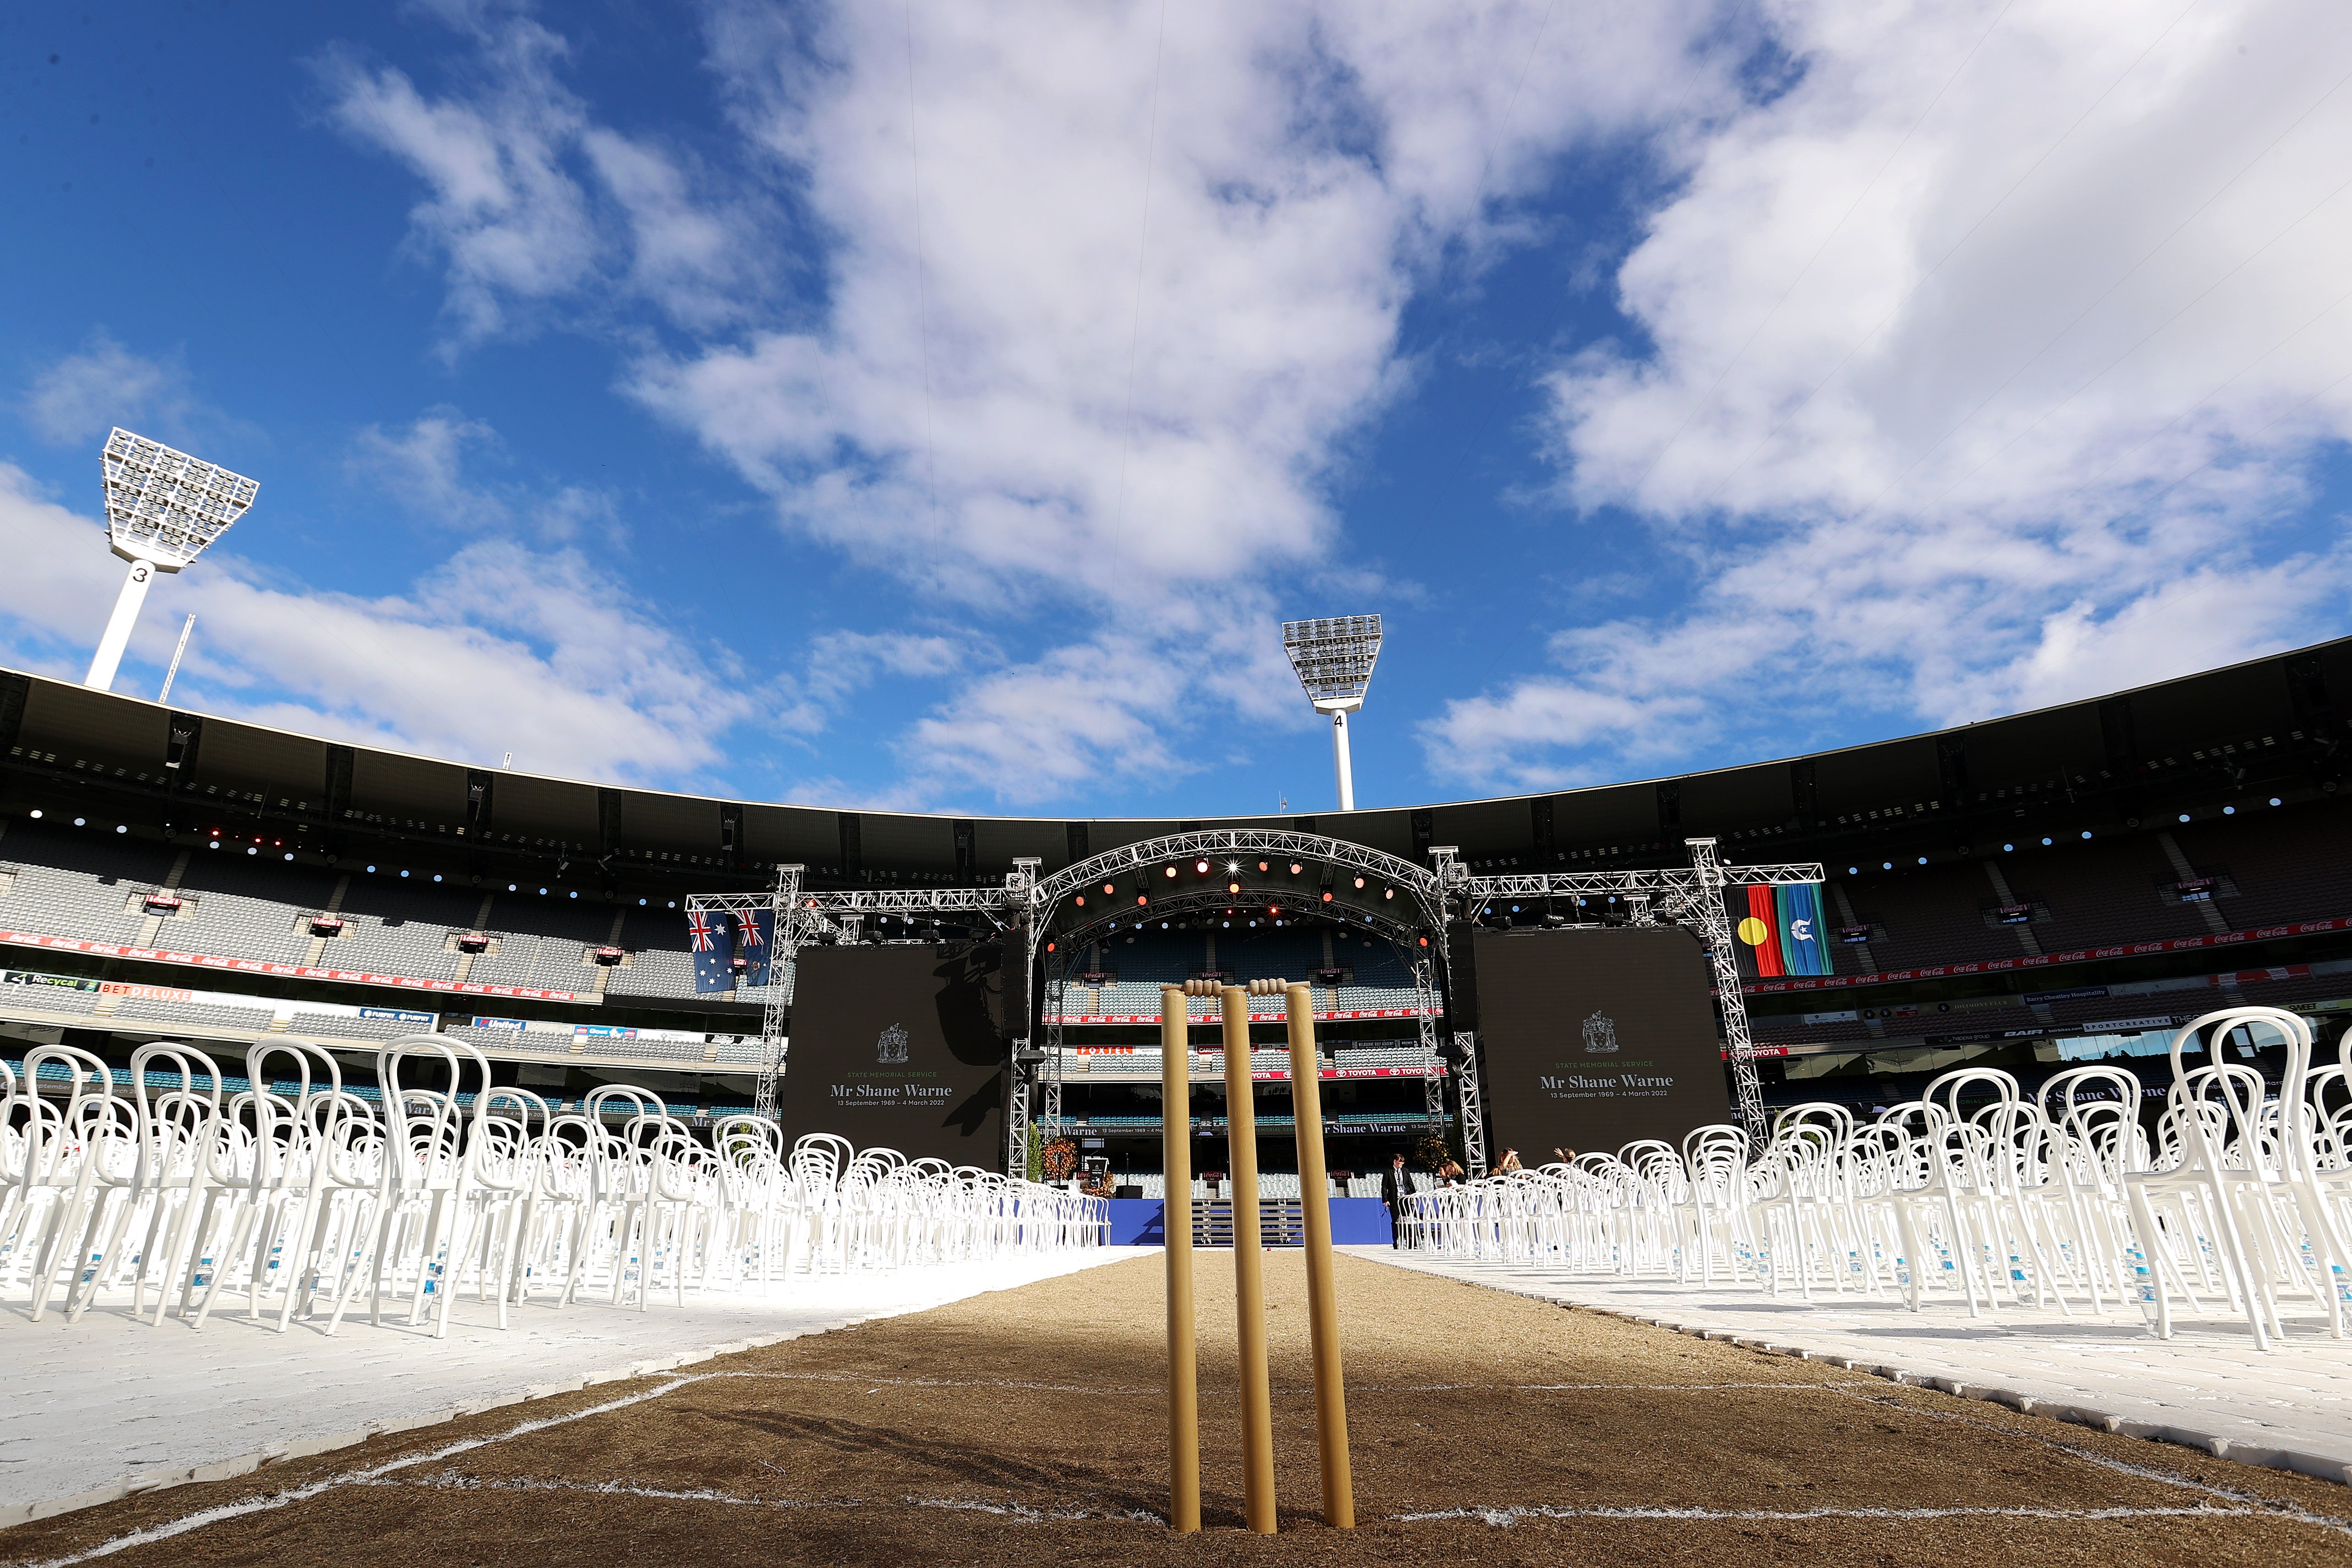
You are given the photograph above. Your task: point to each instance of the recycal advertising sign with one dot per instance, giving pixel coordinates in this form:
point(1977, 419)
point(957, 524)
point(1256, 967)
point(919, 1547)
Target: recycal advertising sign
point(897, 1047)
point(1593, 1039)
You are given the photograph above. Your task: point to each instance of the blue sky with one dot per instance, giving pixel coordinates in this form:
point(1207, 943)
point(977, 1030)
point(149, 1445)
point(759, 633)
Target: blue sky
point(940, 408)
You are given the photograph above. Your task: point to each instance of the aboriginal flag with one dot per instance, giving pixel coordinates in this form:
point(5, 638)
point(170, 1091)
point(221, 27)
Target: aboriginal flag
point(1777, 931)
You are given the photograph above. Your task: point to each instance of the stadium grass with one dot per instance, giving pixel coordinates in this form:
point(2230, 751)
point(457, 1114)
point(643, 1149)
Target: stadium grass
point(1027, 1427)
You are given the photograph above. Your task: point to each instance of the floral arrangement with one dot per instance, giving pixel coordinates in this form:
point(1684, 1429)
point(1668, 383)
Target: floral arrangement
point(1060, 1160)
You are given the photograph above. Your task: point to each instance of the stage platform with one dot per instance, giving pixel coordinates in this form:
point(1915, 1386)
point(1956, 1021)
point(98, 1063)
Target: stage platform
point(108, 1406)
point(2206, 1387)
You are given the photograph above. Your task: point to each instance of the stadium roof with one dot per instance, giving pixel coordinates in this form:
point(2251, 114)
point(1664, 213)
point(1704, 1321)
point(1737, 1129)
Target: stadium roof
point(2269, 722)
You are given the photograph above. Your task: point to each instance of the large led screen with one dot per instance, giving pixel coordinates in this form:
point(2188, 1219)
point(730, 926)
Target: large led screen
point(1593, 1039)
point(897, 1047)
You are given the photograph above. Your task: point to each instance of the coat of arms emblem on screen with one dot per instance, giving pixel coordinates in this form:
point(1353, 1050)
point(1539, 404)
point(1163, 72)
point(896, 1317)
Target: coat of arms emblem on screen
point(1600, 1034)
point(890, 1045)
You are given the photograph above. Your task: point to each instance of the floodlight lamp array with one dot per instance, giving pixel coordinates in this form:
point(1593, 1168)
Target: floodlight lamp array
point(164, 506)
point(1334, 658)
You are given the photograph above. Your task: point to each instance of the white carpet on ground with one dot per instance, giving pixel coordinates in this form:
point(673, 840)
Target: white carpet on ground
point(108, 1405)
point(2206, 1386)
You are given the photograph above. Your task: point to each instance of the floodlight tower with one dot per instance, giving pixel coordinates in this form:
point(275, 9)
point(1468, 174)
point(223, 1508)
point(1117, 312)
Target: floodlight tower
point(162, 507)
point(1334, 659)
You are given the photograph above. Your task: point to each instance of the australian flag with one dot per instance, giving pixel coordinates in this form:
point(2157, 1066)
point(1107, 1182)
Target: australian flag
point(755, 932)
point(712, 936)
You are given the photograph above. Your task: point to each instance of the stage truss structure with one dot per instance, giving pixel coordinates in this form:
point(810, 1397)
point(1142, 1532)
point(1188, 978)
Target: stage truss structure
point(1691, 897)
point(805, 917)
point(1435, 895)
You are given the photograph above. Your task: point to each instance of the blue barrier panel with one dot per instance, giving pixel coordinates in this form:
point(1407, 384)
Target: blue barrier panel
point(1140, 1222)
point(1360, 1221)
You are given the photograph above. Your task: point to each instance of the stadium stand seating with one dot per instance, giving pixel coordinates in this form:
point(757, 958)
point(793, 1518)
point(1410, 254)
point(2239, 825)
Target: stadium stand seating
point(248, 901)
point(2287, 865)
point(1930, 915)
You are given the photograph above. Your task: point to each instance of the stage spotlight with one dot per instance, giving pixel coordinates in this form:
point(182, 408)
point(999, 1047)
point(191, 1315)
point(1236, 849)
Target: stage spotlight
point(1327, 895)
point(1359, 882)
point(1140, 898)
point(1201, 866)
point(1388, 893)
point(1233, 887)
point(1171, 870)
point(1081, 901)
point(1294, 868)
point(1262, 865)
point(1108, 888)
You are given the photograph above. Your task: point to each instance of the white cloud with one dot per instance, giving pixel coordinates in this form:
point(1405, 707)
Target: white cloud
point(530, 203)
point(1021, 380)
point(841, 662)
point(1063, 722)
point(424, 467)
point(1102, 308)
point(510, 219)
point(75, 402)
point(499, 649)
point(1984, 367)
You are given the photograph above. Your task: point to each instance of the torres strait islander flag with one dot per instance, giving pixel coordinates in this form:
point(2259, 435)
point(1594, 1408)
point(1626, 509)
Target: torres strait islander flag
point(1778, 929)
point(1802, 951)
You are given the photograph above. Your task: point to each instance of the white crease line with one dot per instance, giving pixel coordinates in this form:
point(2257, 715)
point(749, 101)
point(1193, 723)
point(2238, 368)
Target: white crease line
point(1572, 1388)
point(1302, 1389)
point(1506, 1517)
point(2275, 1508)
point(226, 1512)
point(1021, 1512)
point(935, 1382)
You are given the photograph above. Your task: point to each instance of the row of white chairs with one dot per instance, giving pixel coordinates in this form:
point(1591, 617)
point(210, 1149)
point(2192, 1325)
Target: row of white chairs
point(309, 1200)
point(2226, 1199)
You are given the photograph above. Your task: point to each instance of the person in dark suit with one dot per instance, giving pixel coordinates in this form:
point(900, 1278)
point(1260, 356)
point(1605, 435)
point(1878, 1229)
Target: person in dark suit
point(1396, 1186)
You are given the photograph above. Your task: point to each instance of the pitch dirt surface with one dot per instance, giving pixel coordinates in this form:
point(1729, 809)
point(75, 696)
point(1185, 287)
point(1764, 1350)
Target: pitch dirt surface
point(1027, 1427)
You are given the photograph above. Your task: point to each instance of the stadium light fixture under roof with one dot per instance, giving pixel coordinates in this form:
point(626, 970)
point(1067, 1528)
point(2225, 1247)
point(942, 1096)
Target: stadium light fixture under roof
point(162, 507)
point(1334, 658)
